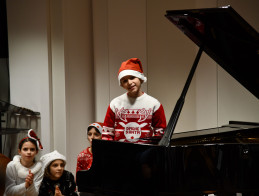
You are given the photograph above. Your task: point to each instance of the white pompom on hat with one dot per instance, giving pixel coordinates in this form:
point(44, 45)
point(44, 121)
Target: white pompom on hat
point(32, 135)
point(97, 125)
point(131, 67)
point(52, 156)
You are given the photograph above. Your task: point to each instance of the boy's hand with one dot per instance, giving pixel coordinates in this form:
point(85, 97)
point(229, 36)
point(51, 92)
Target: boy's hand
point(29, 179)
point(57, 191)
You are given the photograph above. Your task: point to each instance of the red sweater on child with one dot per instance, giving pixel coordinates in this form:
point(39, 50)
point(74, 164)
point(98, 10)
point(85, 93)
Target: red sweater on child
point(84, 160)
point(133, 118)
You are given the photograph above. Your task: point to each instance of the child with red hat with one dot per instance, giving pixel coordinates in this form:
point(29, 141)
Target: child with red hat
point(134, 114)
point(85, 158)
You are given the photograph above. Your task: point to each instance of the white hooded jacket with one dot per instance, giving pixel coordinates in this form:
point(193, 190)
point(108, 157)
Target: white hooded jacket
point(15, 178)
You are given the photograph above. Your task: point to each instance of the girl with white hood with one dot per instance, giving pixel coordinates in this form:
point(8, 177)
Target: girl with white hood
point(23, 173)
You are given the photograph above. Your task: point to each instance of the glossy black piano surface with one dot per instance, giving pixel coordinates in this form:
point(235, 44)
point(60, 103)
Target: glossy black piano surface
point(227, 38)
point(222, 160)
point(192, 165)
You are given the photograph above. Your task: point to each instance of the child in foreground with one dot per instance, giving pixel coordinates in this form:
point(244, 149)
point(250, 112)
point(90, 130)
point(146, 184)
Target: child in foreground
point(85, 158)
point(134, 114)
point(57, 181)
point(23, 173)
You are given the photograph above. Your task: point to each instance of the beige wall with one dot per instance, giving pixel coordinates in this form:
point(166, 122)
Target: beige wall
point(29, 60)
point(72, 50)
point(51, 69)
point(79, 76)
point(170, 57)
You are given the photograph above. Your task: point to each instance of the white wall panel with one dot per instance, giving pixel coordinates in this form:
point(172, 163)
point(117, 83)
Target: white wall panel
point(29, 60)
point(170, 57)
point(79, 76)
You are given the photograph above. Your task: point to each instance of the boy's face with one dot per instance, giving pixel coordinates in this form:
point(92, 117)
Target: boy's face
point(56, 169)
point(93, 134)
point(132, 85)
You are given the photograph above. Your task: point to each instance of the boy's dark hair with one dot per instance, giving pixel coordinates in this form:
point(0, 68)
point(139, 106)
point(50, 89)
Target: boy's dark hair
point(98, 126)
point(90, 127)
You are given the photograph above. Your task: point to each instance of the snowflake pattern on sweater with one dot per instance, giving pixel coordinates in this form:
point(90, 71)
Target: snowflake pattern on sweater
point(130, 118)
point(84, 160)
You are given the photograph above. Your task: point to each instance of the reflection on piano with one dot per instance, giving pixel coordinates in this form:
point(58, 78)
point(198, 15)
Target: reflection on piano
point(222, 160)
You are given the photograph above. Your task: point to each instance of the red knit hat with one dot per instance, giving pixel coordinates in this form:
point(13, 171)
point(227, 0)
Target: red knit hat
point(97, 125)
point(131, 67)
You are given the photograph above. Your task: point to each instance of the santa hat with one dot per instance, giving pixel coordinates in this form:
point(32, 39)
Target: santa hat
point(52, 156)
point(97, 125)
point(32, 135)
point(131, 67)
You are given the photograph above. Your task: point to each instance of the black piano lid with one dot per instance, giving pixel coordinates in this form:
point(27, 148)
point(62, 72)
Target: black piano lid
point(226, 37)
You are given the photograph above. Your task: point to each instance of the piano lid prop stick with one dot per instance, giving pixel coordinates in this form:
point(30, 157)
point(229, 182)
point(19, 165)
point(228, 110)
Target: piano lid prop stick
point(165, 141)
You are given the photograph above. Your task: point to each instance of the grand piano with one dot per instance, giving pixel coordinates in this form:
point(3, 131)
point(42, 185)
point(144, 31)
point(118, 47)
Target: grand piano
point(216, 161)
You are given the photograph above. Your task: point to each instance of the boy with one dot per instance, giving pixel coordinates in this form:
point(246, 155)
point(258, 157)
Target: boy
point(85, 158)
point(134, 114)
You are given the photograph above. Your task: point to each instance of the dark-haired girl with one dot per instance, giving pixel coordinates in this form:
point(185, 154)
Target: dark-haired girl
point(24, 173)
point(57, 181)
point(85, 158)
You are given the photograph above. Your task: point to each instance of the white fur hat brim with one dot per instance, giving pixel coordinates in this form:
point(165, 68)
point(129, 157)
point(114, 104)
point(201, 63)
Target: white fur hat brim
point(129, 72)
point(97, 125)
point(52, 156)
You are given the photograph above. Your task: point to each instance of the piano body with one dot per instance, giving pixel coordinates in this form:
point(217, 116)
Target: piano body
point(222, 160)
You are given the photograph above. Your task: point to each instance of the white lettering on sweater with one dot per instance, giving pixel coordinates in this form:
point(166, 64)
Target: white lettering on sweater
point(132, 130)
point(142, 114)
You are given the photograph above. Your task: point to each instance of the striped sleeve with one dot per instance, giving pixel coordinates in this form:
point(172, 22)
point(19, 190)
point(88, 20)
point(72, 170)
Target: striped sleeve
point(108, 125)
point(159, 121)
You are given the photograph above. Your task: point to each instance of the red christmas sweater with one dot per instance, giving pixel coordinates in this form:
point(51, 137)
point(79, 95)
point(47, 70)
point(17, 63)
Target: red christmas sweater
point(84, 160)
point(130, 118)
